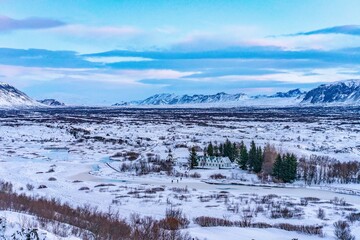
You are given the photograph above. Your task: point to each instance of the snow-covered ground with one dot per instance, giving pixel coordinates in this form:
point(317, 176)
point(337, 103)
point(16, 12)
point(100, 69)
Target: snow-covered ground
point(68, 152)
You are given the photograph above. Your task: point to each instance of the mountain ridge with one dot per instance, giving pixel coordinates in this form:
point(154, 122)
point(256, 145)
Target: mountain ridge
point(338, 92)
point(11, 97)
point(221, 97)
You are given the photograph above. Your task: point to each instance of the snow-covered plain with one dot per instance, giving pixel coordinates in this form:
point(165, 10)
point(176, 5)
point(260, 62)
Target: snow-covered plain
point(69, 149)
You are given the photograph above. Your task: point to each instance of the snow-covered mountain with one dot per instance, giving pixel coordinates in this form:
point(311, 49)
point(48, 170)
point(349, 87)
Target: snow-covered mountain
point(292, 93)
point(171, 99)
point(338, 92)
point(51, 102)
point(219, 99)
point(10, 97)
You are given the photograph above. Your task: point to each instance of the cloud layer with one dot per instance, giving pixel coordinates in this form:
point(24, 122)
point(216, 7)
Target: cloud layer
point(10, 24)
point(345, 29)
point(231, 59)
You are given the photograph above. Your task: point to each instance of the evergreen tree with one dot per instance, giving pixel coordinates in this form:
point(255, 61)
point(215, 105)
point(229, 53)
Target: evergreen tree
point(252, 155)
point(235, 152)
point(289, 168)
point(258, 160)
point(285, 167)
point(244, 157)
point(210, 150)
point(216, 151)
point(277, 168)
point(221, 150)
point(193, 158)
point(227, 148)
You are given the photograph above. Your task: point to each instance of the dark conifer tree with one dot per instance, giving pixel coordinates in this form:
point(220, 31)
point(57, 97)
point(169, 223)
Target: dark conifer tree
point(277, 168)
point(193, 158)
point(290, 167)
point(244, 157)
point(210, 150)
point(258, 160)
point(221, 149)
point(252, 156)
point(216, 151)
point(285, 168)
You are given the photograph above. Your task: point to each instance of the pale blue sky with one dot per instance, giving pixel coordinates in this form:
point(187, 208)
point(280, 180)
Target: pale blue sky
point(101, 52)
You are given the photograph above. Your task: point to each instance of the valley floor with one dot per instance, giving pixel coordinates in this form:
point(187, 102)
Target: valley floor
point(69, 152)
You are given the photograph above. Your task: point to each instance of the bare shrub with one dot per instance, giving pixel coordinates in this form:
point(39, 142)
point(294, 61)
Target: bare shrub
point(132, 155)
point(307, 229)
point(180, 190)
point(6, 187)
point(178, 219)
point(352, 217)
point(29, 187)
point(217, 176)
point(261, 225)
point(269, 157)
point(148, 228)
point(204, 221)
point(85, 222)
point(321, 213)
point(195, 175)
point(339, 202)
point(311, 199)
point(285, 212)
point(342, 231)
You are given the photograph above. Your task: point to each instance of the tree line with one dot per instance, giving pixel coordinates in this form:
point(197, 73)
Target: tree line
point(322, 169)
point(268, 163)
point(262, 161)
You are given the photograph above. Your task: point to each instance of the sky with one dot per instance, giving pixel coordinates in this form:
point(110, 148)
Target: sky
point(103, 52)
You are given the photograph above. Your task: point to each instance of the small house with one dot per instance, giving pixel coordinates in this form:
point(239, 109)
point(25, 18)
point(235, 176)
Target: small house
point(214, 162)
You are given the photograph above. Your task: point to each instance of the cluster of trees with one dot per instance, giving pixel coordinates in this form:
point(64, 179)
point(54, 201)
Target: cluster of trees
point(322, 169)
point(227, 149)
point(263, 161)
point(251, 160)
point(285, 167)
point(248, 160)
point(267, 162)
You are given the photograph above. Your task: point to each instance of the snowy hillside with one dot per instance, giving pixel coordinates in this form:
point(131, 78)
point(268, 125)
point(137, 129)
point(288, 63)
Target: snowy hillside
point(11, 97)
point(338, 92)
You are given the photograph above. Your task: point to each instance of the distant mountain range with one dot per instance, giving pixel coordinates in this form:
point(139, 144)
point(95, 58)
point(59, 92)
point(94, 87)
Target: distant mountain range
point(338, 93)
point(171, 99)
point(217, 99)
